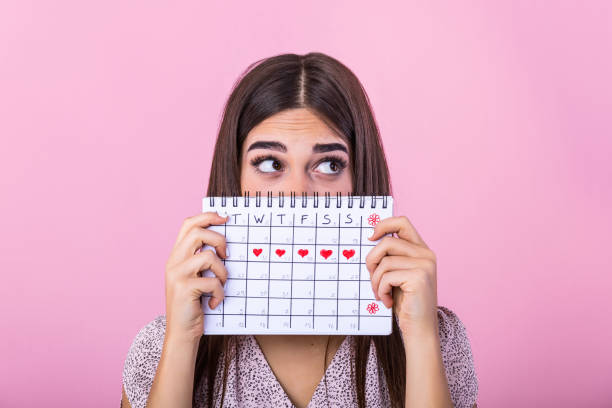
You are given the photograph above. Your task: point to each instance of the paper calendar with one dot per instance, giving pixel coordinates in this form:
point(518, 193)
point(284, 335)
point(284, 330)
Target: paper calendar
point(296, 265)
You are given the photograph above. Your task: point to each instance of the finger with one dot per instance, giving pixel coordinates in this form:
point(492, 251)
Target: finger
point(206, 260)
point(400, 225)
point(388, 281)
point(393, 263)
point(206, 285)
point(407, 280)
point(395, 246)
point(202, 220)
point(197, 238)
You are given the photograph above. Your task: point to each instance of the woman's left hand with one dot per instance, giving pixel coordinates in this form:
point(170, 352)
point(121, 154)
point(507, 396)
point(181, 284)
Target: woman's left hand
point(403, 273)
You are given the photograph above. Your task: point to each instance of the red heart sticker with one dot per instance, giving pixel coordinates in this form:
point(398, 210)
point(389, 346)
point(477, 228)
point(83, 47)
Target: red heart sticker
point(348, 253)
point(257, 251)
point(325, 253)
point(303, 252)
point(280, 252)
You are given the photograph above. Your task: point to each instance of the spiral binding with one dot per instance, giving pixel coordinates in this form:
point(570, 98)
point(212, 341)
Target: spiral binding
point(292, 202)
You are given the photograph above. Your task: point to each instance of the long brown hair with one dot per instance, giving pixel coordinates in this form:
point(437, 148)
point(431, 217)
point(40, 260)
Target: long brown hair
point(331, 91)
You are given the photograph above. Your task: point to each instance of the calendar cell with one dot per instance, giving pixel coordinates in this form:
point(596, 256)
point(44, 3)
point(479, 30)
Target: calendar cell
point(325, 307)
point(366, 291)
point(304, 236)
point(302, 307)
point(280, 271)
point(328, 236)
point(258, 270)
point(280, 253)
point(349, 236)
point(259, 235)
point(303, 253)
point(348, 272)
point(326, 254)
point(235, 287)
point(303, 289)
point(279, 323)
point(282, 235)
point(234, 305)
point(348, 307)
point(303, 271)
point(234, 234)
point(258, 252)
point(325, 323)
point(234, 321)
point(280, 288)
point(257, 322)
point(347, 323)
point(302, 323)
point(280, 306)
point(366, 233)
point(257, 288)
point(257, 306)
point(326, 272)
point(348, 290)
point(373, 308)
point(374, 324)
point(350, 254)
point(326, 289)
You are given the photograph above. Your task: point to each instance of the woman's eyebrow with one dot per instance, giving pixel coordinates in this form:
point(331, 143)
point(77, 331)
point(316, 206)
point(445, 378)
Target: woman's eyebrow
point(328, 147)
point(317, 148)
point(272, 145)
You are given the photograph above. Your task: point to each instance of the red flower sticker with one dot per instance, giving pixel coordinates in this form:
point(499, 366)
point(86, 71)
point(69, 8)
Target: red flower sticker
point(373, 219)
point(372, 308)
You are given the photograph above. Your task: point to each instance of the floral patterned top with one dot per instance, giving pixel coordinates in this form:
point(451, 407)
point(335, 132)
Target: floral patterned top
point(251, 382)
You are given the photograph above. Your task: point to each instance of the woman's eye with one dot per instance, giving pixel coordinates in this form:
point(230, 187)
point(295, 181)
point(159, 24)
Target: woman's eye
point(328, 167)
point(269, 166)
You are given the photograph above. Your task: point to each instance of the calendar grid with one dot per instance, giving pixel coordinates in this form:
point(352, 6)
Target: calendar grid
point(309, 248)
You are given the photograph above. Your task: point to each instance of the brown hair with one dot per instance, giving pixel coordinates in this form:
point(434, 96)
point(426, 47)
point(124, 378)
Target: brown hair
point(331, 91)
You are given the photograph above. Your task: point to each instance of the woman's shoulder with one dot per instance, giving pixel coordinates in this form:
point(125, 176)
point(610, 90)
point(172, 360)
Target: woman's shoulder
point(148, 340)
point(457, 358)
point(142, 359)
point(450, 325)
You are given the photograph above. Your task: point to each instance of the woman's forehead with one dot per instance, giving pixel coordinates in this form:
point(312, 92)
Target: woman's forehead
point(297, 128)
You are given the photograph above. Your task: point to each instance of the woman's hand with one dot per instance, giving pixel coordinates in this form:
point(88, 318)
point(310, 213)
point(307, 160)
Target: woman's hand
point(184, 281)
point(403, 273)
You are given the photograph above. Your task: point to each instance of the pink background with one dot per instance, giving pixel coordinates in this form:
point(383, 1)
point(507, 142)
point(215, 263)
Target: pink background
point(496, 118)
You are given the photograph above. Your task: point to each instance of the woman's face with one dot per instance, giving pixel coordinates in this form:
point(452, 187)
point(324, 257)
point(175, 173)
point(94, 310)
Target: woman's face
point(294, 151)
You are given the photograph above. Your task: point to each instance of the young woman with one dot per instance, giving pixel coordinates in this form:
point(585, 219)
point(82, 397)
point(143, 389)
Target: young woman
point(301, 123)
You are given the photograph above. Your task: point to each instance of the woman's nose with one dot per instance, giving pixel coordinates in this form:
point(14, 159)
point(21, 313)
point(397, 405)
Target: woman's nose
point(298, 183)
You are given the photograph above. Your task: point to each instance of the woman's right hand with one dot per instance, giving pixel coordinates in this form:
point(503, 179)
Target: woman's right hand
point(184, 281)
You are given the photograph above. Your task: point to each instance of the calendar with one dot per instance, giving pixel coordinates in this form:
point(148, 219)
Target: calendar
point(296, 265)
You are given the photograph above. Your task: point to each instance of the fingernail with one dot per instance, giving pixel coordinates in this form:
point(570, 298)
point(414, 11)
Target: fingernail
point(227, 252)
